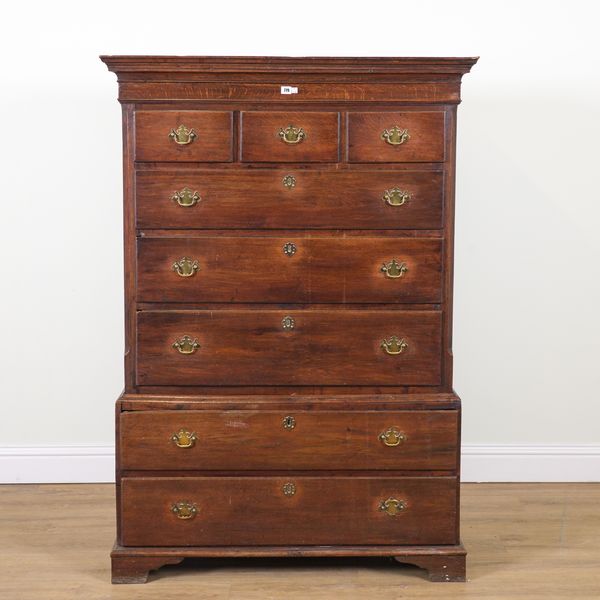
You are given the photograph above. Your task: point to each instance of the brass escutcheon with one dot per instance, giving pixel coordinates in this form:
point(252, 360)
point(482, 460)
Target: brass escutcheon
point(289, 422)
point(392, 437)
point(186, 345)
point(394, 345)
point(394, 269)
point(289, 489)
point(292, 135)
point(289, 181)
point(395, 136)
point(396, 197)
point(184, 510)
point(288, 323)
point(392, 506)
point(289, 249)
point(186, 197)
point(184, 438)
point(182, 135)
point(185, 267)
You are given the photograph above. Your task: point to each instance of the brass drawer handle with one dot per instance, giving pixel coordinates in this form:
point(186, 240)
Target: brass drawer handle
point(182, 135)
point(186, 345)
point(184, 510)
point(396, 197)
point(392, 506)
point(186, 197)
point(289, 422)
point(185, 267)
point(184, 438)
point(392, 437)
point(394, 269)
point(395, 136)
point(394, 345)
point(292, 135)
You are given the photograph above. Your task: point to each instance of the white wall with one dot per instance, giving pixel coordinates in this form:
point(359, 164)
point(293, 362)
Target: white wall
point(527, 291)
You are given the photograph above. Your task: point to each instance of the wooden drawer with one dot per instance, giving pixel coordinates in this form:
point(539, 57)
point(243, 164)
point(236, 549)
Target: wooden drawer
point(290, 439)
point(289, 510)
point(426, 141)
point(315, 269)
point(285, 198)
point(290, 136)
point(155, 136)
point(289, 347)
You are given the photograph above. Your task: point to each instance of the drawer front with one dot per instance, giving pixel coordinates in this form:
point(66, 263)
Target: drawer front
point(396, 137)
point(291, 269)
point(290, 136)
point(285, 198)
point(186, 135)
point(290, 439)
point(288, 347)
point(255, 511)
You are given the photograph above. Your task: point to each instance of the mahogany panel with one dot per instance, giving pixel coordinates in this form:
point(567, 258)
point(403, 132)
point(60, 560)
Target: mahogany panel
point(256, 511)
point(251, 347)
point(306, 440)
point(213, 130)
point(261, 140)
point(425, 144)
point(248, 199)
point(256, 269)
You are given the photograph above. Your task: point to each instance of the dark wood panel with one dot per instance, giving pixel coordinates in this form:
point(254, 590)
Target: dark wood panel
point(261, 140)
point(213, 131)
point(252, 348)
point(289, 439)
point(256, 269)
point(285, 198)
point(425, 144)
point(256, 511)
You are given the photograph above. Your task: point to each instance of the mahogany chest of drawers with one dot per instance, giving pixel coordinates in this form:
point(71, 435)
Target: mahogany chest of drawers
point(288, 290)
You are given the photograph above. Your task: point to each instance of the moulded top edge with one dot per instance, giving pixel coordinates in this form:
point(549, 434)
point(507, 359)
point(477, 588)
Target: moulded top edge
point(311, 64)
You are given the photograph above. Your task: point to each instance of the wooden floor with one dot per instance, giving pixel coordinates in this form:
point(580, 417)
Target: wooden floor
point(525, 541)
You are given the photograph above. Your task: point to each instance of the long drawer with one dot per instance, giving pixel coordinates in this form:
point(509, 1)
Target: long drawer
point(271, 440)
point(288, 510)
point(289, 269)
point(285, 198)
point(289, 347)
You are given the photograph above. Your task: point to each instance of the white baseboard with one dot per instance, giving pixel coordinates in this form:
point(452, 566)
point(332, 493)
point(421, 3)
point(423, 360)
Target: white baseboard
point(480, 462)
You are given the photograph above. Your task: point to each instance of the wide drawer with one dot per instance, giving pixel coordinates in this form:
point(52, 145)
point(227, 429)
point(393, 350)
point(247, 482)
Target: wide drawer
point(289, 136)
point(287, 198)
point(289, 269)
point(288, 347)
point(183, 135)
point(291, 439)
point(396, 136)
point(288, 510)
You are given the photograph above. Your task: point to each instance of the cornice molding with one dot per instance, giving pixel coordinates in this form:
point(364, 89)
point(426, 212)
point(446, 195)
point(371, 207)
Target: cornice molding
point(154, 65)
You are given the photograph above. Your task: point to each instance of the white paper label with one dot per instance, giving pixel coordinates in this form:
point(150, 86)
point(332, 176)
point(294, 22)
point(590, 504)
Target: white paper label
point(289, 89)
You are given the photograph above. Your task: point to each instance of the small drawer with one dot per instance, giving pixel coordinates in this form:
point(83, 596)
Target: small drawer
point(289, 439)
point(288, 510)
point(375, 137)
point(183, 136)
point(290, 137)
point(287, 198)
point(289, 269)
point(288, 347)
